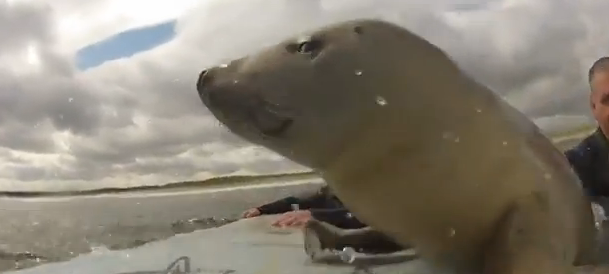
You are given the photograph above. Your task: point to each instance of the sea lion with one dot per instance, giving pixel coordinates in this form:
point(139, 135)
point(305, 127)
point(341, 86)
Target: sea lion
point(413, 147)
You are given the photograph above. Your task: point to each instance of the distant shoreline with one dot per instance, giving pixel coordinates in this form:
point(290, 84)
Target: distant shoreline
point(224, 181)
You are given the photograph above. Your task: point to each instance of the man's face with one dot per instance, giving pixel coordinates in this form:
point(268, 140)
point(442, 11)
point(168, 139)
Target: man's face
point(599, 99)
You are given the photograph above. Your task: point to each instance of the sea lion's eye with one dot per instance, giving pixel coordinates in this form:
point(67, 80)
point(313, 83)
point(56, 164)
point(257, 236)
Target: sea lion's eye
point(310, 46)
point(307, 46)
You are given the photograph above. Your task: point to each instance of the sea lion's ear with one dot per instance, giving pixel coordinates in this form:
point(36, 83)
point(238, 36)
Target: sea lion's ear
point(358, 29)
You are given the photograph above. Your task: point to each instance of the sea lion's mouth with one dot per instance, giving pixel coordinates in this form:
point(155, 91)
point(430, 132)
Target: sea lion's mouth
point(271, 120)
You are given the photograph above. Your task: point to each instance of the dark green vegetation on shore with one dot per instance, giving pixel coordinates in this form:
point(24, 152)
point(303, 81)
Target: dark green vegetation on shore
point(224, 181)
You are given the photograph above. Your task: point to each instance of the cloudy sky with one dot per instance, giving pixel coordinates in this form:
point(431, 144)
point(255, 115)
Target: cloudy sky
point(101, 92)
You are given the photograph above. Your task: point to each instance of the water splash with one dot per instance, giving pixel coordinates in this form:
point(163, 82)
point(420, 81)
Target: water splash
point(451, 136)
point(599, 215)
point(452, 232)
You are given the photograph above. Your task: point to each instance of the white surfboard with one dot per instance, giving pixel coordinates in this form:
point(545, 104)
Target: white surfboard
point(248, 246)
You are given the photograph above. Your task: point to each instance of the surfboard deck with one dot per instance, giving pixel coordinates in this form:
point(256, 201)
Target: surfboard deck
point(249, 246)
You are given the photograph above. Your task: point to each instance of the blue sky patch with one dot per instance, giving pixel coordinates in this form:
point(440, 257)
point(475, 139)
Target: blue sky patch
point(125, 44)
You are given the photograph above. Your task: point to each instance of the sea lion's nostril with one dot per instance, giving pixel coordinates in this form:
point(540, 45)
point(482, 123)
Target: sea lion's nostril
point(203, 85)
point(203, 79)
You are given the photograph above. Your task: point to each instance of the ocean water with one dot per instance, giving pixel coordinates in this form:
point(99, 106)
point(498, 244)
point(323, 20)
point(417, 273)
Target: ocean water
point(39, 230)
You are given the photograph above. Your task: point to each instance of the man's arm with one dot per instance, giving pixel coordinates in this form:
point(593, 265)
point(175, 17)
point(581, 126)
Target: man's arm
point(307, 200)
point(582, 160)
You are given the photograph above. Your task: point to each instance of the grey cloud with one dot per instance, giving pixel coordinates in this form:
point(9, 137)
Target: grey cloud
point(180, 167)
point(20, 24)
point(84, 169)
point(28, 173)
point(32, 98)
point(28, 140)
point(115, 150)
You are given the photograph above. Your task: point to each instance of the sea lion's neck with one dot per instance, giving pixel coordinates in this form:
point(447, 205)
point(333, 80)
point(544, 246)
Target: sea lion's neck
point(443, 132)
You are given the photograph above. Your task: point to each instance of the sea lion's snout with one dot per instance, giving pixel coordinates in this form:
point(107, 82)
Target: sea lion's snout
point(240, 106)
point(216, 95)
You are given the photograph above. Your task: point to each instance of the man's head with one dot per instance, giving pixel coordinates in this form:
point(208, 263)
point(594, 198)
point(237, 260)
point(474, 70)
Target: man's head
point(598, 77)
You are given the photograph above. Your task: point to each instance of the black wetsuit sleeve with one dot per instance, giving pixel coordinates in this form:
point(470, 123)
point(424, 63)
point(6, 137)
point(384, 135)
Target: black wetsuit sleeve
point(581, 162)
point(279, 206)
point(318, 199)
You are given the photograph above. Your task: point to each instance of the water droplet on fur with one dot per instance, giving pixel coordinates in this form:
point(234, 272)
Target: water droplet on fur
point(452, 232)
point(478, 110)
point(381, 101)
point(359, 72)
point(547, 176)
point(451, 136)
point(505, 143)
point(235, 81)
point(599, 215)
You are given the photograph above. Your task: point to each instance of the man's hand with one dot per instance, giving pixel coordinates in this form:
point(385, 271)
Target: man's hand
point(252, 212)
point(293, 219)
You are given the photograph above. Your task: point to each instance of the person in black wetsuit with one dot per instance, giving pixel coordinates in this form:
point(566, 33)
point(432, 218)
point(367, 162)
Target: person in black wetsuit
point(590, 158)
point(322, 205)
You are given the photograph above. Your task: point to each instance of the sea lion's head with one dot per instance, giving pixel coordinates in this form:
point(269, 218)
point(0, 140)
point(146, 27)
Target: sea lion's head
point(306, 98)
